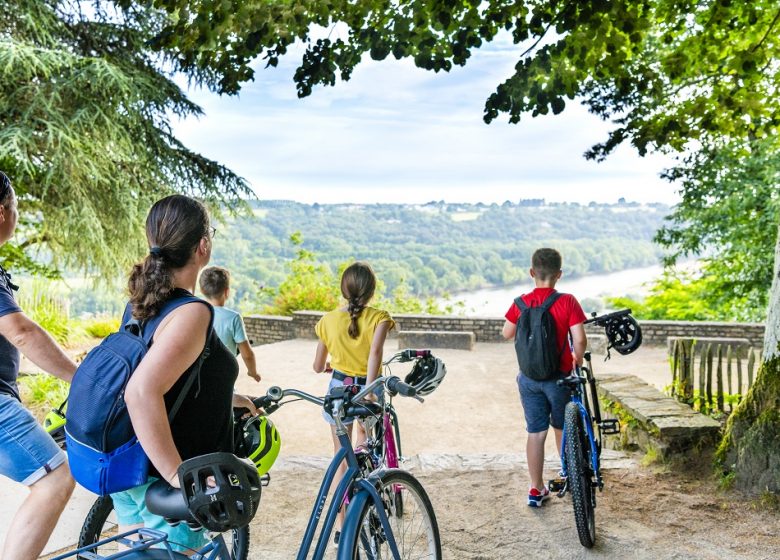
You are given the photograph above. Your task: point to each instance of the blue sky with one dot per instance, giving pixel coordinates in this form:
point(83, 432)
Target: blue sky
point(395, 133)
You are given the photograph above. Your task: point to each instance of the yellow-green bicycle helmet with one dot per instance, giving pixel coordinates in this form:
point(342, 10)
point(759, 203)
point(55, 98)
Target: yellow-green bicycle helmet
point(54, 424)
point(259, 442)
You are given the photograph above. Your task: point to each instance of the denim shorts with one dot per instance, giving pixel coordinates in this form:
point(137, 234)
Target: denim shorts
point(544, 403)
point(130, 509)
point(27, 452)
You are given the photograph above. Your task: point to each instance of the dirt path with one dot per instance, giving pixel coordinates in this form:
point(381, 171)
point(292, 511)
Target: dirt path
point(482, 513)
point(469, 441)
point(482, 516)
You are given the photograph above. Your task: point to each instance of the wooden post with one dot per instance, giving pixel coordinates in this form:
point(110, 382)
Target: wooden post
point(719, 394)
point(729, 354)
point(739, 376)
point(751, 364)
point(703, 377)
point(687, 381)
point(675, 365)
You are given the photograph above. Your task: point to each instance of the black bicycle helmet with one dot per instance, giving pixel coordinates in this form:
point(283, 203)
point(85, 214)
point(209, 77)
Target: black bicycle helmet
point(426, 375)
point(221, 490)
point(624, 334)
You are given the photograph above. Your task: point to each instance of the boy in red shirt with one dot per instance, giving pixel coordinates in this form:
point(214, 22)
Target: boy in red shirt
point(544, 401)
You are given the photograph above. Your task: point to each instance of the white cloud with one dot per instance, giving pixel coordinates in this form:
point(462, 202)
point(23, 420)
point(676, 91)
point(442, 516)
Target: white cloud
point(397, 133)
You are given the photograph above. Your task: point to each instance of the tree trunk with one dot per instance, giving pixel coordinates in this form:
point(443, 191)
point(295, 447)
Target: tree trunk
point(750, 448)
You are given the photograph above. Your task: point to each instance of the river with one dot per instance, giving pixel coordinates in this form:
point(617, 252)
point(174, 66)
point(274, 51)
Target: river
point(494, 302)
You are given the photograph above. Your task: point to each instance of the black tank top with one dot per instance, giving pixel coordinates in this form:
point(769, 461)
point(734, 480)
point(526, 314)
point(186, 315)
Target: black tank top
point(204, 422)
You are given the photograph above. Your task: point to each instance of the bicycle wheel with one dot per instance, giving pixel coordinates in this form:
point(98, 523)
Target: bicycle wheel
point(577, 453)
point(415, 530)
point(101, 523)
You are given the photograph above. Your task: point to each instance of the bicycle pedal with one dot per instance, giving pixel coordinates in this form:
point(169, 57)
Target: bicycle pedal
point(610, 426)
point(557, 485)
point(265, 480)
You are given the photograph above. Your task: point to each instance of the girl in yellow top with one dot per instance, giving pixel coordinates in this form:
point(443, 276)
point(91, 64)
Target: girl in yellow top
point(353, 335)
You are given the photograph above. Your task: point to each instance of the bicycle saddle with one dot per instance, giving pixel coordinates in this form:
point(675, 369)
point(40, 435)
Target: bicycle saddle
point(571, 381)
point(166, 501)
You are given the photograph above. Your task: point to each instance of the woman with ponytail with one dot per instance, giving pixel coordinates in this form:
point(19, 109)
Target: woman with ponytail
point(180, 236)
point(353, 335)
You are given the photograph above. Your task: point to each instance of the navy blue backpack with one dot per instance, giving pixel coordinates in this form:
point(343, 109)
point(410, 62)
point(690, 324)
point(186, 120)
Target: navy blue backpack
point(103, 450)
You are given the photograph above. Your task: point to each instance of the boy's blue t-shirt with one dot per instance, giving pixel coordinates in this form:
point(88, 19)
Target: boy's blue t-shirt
point(9, 354)
point(229, 328)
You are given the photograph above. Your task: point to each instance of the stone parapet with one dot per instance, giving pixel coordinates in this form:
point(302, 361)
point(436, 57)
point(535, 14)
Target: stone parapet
point(651, 419)
point(266, 329)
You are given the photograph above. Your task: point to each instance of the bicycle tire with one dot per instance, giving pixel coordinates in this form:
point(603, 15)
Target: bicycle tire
point(577, 453)
point(99, 524)
point(369, 541)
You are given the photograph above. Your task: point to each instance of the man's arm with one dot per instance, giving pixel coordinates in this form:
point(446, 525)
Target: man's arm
point(37, 344)
point(579, 341)
point(248, 355)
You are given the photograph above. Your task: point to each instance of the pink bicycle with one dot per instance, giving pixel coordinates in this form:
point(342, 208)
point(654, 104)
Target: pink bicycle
point(382, 449)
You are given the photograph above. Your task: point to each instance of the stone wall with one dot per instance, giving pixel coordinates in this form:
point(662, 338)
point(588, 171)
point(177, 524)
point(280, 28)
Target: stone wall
point(265, 329)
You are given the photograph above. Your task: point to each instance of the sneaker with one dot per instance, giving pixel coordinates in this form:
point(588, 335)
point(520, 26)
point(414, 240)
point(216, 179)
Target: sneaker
point(536, 497)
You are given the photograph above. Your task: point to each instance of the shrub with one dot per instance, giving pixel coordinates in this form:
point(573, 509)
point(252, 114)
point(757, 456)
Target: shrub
point(101, 327)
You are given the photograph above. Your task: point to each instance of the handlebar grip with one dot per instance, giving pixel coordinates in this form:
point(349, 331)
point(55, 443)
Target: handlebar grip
point(395, 385)
point(413, 354)
point(262, 402)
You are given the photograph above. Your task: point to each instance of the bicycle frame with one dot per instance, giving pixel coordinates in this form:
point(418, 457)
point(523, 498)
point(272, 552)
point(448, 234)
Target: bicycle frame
point(351, 479)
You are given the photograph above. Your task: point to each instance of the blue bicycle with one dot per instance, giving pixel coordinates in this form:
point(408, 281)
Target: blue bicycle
point(581, 446)
point(389, 514)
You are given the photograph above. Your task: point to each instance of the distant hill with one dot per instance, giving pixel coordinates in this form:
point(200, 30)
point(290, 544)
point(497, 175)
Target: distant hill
point(437, 247)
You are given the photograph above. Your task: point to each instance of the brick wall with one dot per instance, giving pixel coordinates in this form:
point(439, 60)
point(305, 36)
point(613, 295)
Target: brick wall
point(265, 329)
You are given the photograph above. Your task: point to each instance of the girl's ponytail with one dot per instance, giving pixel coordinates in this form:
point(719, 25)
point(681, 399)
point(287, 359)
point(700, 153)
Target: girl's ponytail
point(357, 286)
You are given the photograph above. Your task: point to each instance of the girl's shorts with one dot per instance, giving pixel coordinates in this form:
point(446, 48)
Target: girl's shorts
point(130, 508)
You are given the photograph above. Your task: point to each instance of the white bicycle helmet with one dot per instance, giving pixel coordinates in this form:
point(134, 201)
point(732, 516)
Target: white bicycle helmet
point(426, 375)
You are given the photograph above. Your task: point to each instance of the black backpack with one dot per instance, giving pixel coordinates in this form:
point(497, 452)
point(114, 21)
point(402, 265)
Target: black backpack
point(536, 343)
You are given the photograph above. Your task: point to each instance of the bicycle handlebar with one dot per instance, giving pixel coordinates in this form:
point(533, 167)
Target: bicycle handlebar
point(602, 320)
point(408, 355)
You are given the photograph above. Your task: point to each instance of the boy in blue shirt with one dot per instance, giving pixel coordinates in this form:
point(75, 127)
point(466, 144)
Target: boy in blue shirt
point(215, 285)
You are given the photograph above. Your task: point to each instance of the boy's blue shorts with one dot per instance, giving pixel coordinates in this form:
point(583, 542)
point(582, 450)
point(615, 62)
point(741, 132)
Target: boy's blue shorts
point(544, 403)
point(130, 509)
point(27, 452)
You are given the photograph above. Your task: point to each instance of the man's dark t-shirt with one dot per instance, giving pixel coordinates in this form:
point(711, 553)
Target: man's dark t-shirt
point(9, 354)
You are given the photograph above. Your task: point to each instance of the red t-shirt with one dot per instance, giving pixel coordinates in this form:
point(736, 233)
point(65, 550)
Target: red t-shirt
point(566, 312)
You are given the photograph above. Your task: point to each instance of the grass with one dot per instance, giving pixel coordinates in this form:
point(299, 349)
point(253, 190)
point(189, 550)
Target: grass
point(41, 392)
point(48, 310)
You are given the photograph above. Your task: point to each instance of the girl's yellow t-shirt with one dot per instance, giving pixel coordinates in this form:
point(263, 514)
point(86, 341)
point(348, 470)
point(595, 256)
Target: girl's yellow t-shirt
point(350, 355)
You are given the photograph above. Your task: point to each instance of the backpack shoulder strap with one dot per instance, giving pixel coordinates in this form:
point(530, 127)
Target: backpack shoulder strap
point(149, 327)
point(548, 303)
point(520, 304)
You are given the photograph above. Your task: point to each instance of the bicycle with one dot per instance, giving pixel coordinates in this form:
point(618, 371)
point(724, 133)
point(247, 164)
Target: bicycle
point(100, 527)
point(376, 525)
point(223, 493)
point(581, 448)
point(383, 435)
